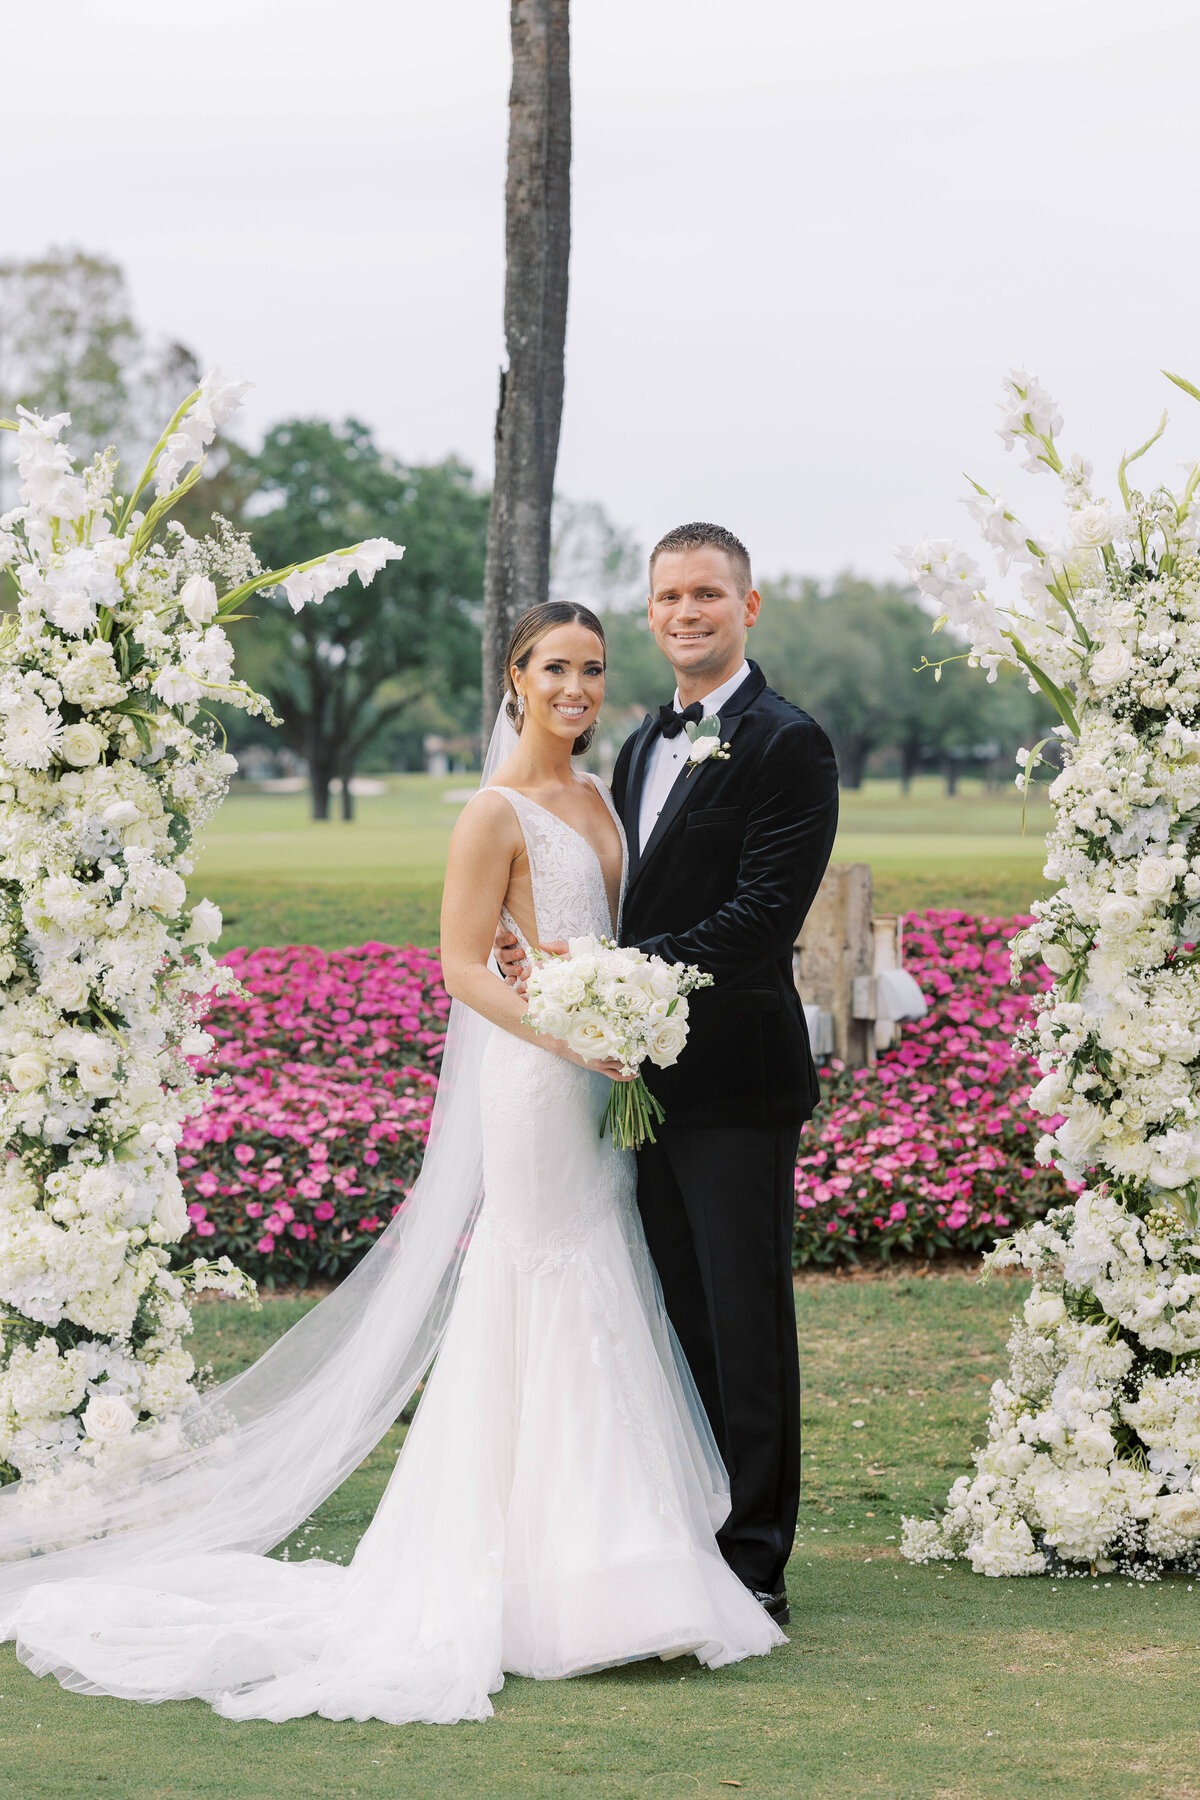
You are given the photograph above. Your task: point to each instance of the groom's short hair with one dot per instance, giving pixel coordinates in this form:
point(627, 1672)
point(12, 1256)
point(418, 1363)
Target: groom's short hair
point(701, 536)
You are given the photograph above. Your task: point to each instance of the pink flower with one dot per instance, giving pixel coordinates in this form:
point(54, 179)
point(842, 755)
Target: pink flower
point(265, 1245)
point(197, 1211)
point(205, 1228)
point(207, 1184)
point(323, 1210)
point(243, 1153)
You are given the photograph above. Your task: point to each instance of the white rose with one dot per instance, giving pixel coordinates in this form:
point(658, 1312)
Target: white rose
point(1091, 527)
point(205, 927)
point(67, 986)
point(108, 1416)
point(1155, 877)
point(1093, 1444)
point(82, 745)
point(27, 1071)
point(120, 813)
point(704, 747)
point(551, 1020)
point(1120, 914)
point(1180, 1513)
point(1112, 662)
point(666, 1041)
point(591, 1037)
point(170, 1209)
point(198, 598)
point(1043, 1311)
point(1050, 1092)
point(139, 836)
point(1080, 1133)
point(1057, 958)
point(95, 1063)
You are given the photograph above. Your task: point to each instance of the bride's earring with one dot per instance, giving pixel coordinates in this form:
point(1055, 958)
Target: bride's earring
point(520, 705)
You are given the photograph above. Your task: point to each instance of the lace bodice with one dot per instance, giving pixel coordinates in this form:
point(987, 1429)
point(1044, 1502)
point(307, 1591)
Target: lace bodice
point(570, 895)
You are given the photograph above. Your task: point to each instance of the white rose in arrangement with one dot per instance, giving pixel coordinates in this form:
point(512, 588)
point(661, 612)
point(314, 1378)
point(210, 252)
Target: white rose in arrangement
point(1043, 1311)
point(1111, 663)
point(1091, 527)
point(1180, 1513)
point(96, 1066)
point(108, 1416)
point(1155, 877)
point(666, 1042)
point(1120, 914)
point(1057, 958)
point(82, 745)
point(27, 1071)
point(591, 1036)
point(139, 834)
point(67, 986)
point(205, 927)
point(198, 599)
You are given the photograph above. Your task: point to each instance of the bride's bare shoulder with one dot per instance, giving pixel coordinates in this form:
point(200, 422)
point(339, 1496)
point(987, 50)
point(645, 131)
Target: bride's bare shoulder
point(487, 822)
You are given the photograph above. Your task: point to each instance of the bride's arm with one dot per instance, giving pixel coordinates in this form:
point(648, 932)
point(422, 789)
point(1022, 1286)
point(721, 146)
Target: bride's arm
point(483, 847)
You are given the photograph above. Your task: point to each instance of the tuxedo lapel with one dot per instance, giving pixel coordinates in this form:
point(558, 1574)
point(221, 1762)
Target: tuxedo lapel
point(631, 812)
point(690, 782)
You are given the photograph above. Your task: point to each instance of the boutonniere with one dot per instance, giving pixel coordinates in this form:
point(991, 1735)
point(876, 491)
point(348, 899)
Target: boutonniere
point(705, 739)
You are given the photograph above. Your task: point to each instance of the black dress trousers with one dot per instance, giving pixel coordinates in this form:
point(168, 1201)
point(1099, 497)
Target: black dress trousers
point(717, 1206)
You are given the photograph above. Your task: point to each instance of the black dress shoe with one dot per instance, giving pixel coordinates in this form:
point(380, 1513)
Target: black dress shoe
point(775, 1604)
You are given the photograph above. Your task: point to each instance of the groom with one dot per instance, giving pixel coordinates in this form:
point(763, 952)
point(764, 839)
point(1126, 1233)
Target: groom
point(725, 858)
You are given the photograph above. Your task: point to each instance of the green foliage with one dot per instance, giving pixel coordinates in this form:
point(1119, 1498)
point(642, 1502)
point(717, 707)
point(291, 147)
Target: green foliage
point(69, 343)
point(340, 673)
point(848, 653)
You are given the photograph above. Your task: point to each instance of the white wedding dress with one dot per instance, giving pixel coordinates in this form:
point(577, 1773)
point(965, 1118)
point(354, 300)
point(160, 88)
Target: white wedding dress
point(554, 1506)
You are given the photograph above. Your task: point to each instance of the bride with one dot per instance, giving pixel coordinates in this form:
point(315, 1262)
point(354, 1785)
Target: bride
point(554, 1507)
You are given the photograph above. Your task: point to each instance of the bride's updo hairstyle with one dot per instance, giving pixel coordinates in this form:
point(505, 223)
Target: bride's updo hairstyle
point(530, 629)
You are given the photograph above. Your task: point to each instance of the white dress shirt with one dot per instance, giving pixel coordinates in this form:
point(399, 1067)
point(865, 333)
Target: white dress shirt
point(667, 756)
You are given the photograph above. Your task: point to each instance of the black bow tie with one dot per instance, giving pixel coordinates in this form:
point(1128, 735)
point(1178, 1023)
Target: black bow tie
point(671, 723)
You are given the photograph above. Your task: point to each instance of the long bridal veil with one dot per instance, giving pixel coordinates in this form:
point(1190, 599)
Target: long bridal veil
point(261, 1451)
point(258, 1454)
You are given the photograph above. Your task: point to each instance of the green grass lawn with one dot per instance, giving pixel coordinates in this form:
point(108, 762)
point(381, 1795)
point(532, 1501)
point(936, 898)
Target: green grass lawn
point(280, 878)
point(905, 1684)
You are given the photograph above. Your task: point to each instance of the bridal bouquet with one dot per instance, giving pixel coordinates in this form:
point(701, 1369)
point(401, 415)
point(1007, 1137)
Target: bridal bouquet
point(605, 1002)
point(108, 770)
point(1093, 1452)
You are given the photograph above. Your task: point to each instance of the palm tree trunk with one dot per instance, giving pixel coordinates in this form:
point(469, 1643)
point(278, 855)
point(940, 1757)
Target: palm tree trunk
point(537, 248)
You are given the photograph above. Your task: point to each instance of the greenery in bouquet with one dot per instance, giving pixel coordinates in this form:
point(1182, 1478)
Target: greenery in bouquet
point(1093, 1454)
point(109, 768)
point(609, 1003)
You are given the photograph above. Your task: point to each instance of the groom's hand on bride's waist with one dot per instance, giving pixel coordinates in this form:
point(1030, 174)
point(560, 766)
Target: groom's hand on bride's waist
point(511, 957)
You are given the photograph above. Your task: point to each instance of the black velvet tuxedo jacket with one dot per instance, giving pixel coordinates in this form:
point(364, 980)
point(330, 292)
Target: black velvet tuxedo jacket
point(726, 879)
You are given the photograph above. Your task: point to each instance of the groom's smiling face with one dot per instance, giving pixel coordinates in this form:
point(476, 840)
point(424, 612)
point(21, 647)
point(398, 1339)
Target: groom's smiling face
point(699, 614)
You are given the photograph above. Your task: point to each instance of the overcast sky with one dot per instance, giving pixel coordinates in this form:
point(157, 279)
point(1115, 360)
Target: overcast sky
point(807, 238)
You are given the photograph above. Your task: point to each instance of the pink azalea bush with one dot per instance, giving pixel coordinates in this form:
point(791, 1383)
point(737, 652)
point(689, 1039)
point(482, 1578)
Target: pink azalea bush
point(932, 1148)
point(326, 1073)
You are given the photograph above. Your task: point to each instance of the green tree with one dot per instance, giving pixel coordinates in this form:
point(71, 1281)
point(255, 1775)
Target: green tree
point(69, 343)
point(338, 674)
